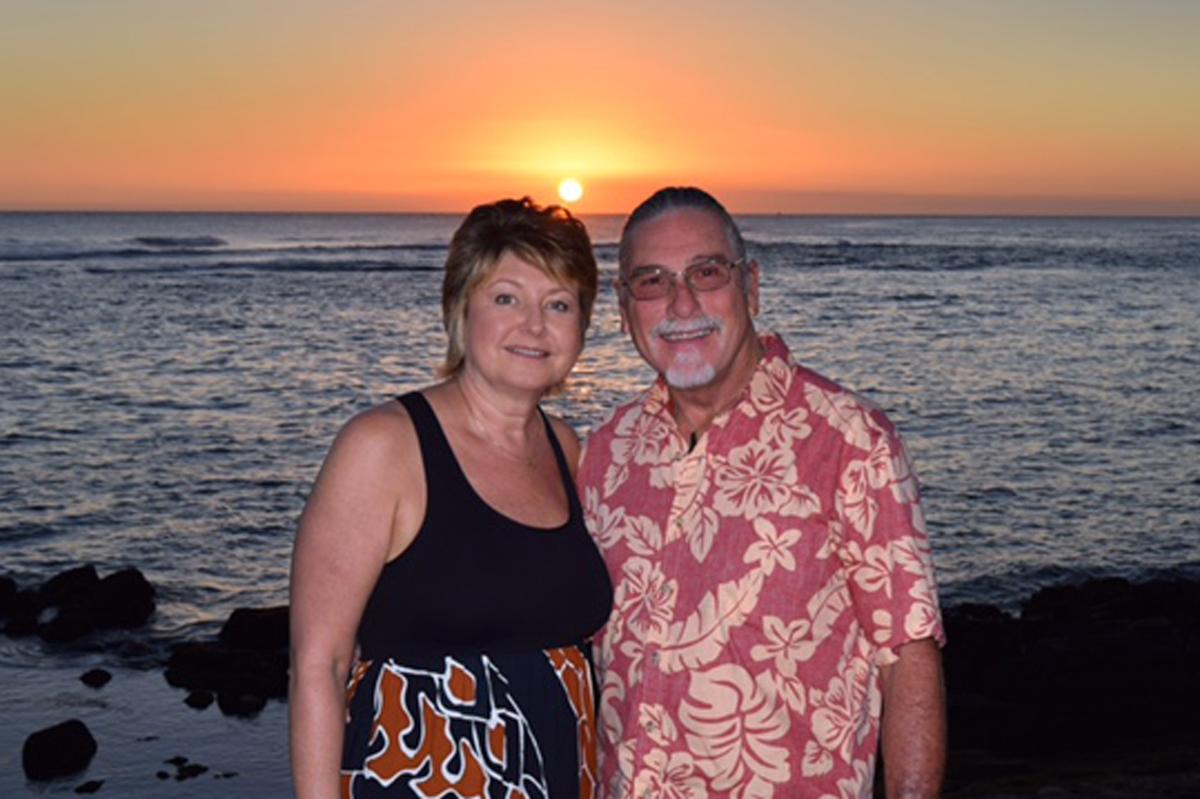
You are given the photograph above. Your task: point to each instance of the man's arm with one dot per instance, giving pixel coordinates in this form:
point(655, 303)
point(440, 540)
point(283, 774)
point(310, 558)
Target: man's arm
point(914, 722)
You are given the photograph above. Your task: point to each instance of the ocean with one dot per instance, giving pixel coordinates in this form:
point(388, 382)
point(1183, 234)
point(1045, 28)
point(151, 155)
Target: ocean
point(169, 384)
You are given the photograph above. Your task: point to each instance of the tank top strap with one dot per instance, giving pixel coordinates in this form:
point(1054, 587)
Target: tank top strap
point(564, 469)
point(444, 478)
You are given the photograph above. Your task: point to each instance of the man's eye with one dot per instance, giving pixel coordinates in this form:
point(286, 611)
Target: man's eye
point(649, 281)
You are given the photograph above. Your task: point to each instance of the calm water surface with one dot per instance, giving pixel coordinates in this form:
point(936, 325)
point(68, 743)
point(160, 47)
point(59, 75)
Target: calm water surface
point(169, 383)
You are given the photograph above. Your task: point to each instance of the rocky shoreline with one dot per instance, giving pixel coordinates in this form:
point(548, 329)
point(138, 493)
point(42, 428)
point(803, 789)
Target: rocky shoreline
point(1089, 690)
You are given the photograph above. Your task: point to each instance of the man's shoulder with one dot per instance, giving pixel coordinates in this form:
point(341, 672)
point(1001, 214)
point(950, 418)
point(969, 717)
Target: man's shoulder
point(841, 407)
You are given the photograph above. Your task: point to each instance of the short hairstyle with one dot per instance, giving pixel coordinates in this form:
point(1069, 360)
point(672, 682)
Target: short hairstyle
point(669, 200)
point(548, 238)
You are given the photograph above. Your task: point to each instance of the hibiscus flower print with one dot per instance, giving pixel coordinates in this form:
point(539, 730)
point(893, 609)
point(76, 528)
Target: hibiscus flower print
point(646, 599)
point(754, 480)
point(838, 710)
point(669, 777)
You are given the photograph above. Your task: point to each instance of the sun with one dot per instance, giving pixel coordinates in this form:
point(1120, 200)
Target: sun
point(570, 190)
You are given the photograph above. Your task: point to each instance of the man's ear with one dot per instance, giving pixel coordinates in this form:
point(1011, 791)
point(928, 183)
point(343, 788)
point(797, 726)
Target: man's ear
point(621, 305)
point(752, 273)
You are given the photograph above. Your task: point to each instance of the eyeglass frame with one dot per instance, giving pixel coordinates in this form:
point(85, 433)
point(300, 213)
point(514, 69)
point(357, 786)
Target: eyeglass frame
point(623, 282)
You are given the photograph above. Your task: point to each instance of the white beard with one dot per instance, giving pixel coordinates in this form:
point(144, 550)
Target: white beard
point(689, 371)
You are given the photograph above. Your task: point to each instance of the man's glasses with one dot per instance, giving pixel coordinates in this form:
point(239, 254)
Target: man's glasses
point(655, 283)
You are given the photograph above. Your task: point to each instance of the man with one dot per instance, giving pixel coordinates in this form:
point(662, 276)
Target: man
point(775, 614)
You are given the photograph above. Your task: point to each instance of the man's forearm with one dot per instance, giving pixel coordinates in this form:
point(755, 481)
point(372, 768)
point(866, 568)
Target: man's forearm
point(914, 722)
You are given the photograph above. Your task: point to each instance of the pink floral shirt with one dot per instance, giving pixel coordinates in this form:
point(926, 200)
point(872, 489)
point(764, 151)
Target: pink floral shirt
point(761, 581)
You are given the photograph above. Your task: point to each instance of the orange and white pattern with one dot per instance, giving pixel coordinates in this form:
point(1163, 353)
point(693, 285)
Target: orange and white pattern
point(761, 580)
point(455, 729)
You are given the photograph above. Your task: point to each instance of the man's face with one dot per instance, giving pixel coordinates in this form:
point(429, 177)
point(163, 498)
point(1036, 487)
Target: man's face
point(695, 339)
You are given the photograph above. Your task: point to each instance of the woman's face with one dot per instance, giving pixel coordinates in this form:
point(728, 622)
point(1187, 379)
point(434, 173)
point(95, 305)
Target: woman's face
point(522, 328)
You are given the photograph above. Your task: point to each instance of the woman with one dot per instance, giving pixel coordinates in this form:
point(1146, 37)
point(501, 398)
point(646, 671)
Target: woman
point(444, 538)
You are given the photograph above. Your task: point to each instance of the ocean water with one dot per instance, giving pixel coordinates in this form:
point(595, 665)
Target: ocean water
point(169, 385)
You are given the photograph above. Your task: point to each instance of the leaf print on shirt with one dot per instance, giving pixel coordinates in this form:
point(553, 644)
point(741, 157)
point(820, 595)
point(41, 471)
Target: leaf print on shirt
point(642, 535)
point(757, 479)
point(654, 719)
point(605, 523)
point(855, 503)
point(730, 721)
point(845, 413)
point(701, 523)
point(699, 640)
point(772, 547)
point(858, 786)
point(769, 388)
point(922, 618)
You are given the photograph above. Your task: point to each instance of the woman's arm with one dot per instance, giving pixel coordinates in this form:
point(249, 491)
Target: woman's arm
point(346, 534)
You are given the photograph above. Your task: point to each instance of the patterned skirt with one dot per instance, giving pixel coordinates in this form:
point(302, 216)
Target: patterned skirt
point(504, 726)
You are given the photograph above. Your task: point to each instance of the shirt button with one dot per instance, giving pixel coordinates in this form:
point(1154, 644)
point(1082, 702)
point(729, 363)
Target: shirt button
point(654, 658)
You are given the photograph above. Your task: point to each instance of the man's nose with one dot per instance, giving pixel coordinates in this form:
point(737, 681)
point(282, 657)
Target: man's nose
point(683, 301)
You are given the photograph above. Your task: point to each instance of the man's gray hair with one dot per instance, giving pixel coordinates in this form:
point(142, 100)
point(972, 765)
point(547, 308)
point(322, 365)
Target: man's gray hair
point(668, 201)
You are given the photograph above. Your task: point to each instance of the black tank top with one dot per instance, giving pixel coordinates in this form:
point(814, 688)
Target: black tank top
point(474, 580)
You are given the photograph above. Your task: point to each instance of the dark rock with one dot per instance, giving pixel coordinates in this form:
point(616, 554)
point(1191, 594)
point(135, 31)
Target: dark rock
point(261, 630)
point(190, 771)
point(1092, 667)
point(126, 599)
point(81, 580)
point(200, 699)
point(242, 679)
point(245, 667)
point(95, 678)
point(57, 751)
point(8, 592)
point(122, 599)
point(23, 612)
point(241, 705)
point(91, 786)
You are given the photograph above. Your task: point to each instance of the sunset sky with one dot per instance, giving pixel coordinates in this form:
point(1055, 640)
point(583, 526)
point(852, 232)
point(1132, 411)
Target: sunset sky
point(831, 106)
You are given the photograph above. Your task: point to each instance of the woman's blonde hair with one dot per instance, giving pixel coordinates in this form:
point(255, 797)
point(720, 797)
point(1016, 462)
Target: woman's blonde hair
point(548, 238)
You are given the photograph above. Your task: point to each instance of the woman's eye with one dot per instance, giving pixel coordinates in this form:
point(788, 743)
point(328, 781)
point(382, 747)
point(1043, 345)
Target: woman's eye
point(562, 306)
point(504, 299)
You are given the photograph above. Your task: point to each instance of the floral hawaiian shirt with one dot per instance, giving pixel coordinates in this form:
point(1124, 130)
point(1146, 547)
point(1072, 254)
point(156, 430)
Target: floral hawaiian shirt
point(762, 578)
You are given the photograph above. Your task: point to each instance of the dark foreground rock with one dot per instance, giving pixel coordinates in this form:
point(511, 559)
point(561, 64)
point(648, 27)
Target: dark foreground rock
point(58, 751)
point(244, 667)
point(1096, 678)
point(77, 602)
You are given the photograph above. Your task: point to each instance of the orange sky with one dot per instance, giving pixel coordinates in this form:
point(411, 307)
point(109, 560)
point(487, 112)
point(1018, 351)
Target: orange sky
point(922, 106)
